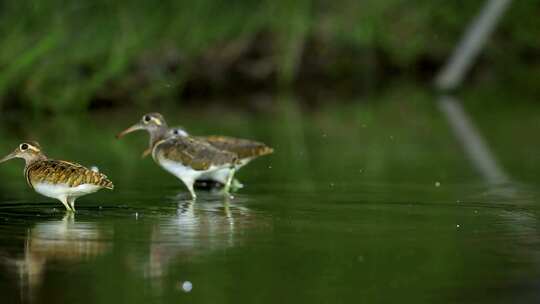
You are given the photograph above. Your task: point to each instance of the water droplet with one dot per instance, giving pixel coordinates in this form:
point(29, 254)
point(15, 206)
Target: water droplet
point(136, 215)
point(437, 184)
point(457, 226)
point(187, 286)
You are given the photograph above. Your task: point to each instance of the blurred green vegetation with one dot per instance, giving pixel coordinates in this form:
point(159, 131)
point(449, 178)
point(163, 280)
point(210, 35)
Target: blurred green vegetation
point(398, 137)
point(76, 55)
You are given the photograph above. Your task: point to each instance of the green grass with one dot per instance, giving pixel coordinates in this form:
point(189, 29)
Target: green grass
point(61, 56)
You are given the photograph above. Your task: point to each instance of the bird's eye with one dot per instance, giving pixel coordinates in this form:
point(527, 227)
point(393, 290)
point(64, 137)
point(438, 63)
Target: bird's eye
point(146, 118)
point(24, 147)
point(176, 132)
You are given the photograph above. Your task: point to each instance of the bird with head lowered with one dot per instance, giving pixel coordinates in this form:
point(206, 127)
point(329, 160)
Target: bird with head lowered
point(185, 157)
point(245, 149)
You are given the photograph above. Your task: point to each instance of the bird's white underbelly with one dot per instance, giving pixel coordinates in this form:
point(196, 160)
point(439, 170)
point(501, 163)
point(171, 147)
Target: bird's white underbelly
point(63, 190)
point(221, 175)
point(182, 172)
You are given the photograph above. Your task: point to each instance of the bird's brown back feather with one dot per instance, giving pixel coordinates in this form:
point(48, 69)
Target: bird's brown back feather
point(243, 148)
point(63, 172)
point(194, 153)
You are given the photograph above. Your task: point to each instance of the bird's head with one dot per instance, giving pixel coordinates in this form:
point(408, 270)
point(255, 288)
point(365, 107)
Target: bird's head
point(29, 151)
point(154, 123)
point(177, 131)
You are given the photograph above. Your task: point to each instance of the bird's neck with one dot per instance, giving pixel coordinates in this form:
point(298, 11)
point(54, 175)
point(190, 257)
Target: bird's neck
point(32, 159)
point(157, 135)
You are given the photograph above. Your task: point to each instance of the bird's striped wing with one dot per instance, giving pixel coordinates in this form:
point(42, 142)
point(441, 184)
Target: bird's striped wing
point(63, 172)
point(194, 153)
point(243, 148)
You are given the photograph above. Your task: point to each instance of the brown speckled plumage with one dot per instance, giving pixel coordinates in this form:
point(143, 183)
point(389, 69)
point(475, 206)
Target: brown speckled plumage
point(194, 153)
point(63, 172)
point(243, 148)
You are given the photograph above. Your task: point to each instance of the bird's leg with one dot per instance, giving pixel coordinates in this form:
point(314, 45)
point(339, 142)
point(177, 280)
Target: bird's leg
point(68, 218)
point(189, 184)
point(64, 201)
point(226, 205)
point(71, 201)
point(192, 191)
point(229, 180)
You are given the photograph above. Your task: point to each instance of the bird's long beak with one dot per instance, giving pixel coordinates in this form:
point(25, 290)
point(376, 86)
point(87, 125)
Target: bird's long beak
point(8, 157)
point(133, 128)
point(146, 153)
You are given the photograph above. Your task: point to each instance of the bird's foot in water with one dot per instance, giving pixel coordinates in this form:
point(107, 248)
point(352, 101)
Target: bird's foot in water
point(236, 185)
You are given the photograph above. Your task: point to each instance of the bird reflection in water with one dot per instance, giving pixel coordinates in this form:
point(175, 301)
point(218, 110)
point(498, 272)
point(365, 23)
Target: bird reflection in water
point(63, 240)
point(198, 228)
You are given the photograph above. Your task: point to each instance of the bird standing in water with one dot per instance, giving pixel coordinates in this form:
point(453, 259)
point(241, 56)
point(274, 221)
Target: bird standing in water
point(246, 150)
point(62, 180)
point(185, 157)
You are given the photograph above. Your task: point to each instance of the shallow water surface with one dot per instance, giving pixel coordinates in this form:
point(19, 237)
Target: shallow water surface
point(365, 206)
